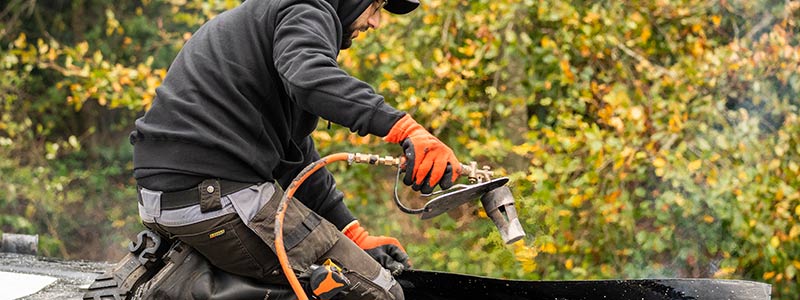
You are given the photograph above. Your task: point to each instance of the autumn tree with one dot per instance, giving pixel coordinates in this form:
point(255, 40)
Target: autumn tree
point(642, 138)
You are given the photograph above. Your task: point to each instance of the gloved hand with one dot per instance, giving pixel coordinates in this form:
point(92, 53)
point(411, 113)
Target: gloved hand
point(385, 250)
point(428, 161)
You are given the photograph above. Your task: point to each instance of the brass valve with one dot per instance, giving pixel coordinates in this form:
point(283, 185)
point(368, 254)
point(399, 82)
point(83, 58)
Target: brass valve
point(374, 159)
point(476, 175)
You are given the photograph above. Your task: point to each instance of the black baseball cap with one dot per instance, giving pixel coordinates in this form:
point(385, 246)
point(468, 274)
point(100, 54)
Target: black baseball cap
point(401, 7)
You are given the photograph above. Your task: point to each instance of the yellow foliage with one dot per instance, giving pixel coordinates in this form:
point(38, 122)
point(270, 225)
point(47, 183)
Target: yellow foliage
point(549, 248)
point(525, 149)
point(546, 42)
point(429, 19)
point(679, 200)
point(742, 175)
point(616, 97)
point(359, 140)
point(468, 50)
point(30, 211)
point(724, 272)
point(659, 162)
point(636, 113)
point(390, 85)
point(793, 166)
point(612, 197)
point(591, 17)
point(21, 41)
point(565, 68)
point(711, 179)
point(697, 48)
point(577, 200)
point(118, 223)
point(147, 100)
point(716, 19)
point(695, 165)
point(775, 242)
point(646, 33)
point(675, 123)
point(617, 123)
point(442, 70)
point(768, 275)
point(774, 164)
point(708, 219)
point(525, 255)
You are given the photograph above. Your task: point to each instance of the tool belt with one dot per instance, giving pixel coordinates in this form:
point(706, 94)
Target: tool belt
point(207, 194)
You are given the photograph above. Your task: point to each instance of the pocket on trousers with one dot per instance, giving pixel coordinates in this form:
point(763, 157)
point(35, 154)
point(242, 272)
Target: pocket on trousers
point(227, 247)
point(362, 287)
point(307, 236)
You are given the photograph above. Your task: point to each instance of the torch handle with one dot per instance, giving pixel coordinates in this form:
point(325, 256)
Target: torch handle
point(471, 170)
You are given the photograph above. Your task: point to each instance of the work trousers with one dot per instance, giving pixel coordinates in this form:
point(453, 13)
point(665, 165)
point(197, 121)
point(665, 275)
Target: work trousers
point(236, 235)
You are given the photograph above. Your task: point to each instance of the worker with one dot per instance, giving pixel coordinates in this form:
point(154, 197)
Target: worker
point(231, 126)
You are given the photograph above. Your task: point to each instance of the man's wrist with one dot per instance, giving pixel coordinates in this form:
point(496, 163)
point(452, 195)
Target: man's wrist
point(355, 233)
point(402, 129)
point(339, 215)
point(349, 225)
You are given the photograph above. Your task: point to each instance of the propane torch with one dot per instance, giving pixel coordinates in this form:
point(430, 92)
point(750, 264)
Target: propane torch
point(496, 197)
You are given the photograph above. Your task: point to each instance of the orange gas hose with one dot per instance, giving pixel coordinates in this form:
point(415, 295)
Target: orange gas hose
point(280, 249)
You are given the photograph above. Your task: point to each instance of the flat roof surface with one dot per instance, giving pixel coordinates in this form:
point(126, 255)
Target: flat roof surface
point(17, 285)
point(41, 278)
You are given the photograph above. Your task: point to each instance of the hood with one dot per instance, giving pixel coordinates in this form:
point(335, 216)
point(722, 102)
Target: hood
point(349, 10)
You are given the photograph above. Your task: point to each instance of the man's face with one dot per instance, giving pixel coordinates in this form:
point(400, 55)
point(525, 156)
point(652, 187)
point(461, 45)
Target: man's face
point(370, 18)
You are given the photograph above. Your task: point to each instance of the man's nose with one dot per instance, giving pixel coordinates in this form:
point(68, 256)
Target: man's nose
point(374, 20)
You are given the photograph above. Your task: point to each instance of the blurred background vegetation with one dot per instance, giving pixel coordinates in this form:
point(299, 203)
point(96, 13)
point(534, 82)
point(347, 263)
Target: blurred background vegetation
point(643, 138)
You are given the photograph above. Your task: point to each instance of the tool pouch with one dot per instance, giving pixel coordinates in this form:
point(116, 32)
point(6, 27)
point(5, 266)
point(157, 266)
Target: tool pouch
point(306, 235)
point(188, 275)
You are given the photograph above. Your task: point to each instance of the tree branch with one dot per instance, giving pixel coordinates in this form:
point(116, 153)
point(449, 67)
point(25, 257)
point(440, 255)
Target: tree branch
point(766, 20)
point(659, 69)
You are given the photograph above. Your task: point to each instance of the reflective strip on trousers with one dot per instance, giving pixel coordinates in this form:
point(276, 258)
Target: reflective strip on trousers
point(246, 203)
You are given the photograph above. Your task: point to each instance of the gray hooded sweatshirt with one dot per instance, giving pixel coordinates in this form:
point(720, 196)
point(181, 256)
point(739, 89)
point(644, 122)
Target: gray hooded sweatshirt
point(242, 97)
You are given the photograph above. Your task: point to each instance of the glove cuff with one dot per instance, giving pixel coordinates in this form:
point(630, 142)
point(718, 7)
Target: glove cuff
point(355, 232)
point(351, 224)
point(402, 129)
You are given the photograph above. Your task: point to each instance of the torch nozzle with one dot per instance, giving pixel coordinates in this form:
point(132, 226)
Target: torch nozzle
point(499, 206)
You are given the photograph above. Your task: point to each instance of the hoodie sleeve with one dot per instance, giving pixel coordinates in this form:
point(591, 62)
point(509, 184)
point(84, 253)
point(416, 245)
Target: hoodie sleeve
point(319, 191)
point(306, 43)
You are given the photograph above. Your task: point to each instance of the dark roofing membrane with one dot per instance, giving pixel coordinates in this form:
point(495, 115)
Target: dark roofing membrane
point(427, 285)
point(75, 276)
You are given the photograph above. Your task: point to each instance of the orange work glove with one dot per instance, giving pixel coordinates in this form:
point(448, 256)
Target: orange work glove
point(385, 250)
point(428, 161)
